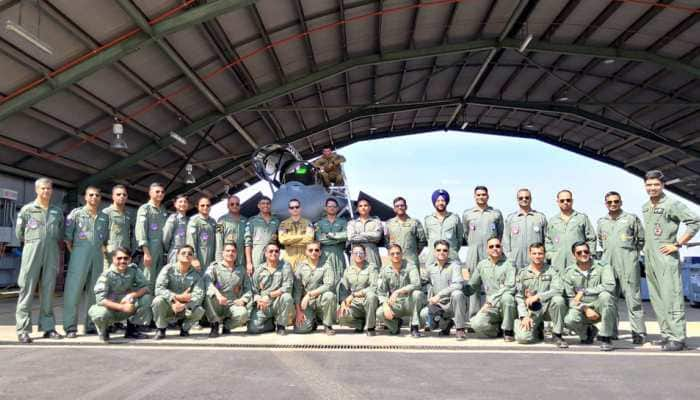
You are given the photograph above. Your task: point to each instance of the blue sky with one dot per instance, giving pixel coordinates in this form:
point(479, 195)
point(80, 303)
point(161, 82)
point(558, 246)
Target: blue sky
point(414, 166)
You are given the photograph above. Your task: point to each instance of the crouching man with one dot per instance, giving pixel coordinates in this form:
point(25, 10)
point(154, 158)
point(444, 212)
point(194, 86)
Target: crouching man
point(314, 292)
point(179, 294)
point(121, 293)
point(358, 289)
point(228, 292)
point(399, 293)
point(272, 286)
point(539, 295)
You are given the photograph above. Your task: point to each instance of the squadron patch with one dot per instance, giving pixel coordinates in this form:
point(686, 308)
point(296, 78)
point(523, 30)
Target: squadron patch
point(32, 223)
point(515, 229)
point(220, 228)
point(657, 229)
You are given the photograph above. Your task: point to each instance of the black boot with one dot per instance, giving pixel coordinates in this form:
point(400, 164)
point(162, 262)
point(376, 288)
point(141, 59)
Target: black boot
point(132, 332)
point(214, 332)
point(160, 334)
point(104, 335)
point(281, 330)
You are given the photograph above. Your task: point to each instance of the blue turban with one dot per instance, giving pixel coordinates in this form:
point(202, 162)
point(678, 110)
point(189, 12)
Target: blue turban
point(441, 193)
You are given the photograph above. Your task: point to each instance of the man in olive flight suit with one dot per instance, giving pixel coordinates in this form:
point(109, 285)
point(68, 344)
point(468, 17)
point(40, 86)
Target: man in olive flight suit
point(179, 294)
point(120, 223)
point(330, 167)
point(662, 217)
point(175, 230)
point(399, 293)
point(481, 223)
point(294, 234)
point(201, 235)
point(231, 228)
point(331, 232)
point(314, 294)
point(621, 238)
point(358, 293)
point(366, 231)
point(39, 228)
point(407, 232)
point(121, 293)
point(150, 219)
point(272, 286)
point(228, 292)
point(565, 229)
point(497, 276)
point(523, 228)
point(443, 225)
point(589, 286)
point(86, 238)
point(260, 230)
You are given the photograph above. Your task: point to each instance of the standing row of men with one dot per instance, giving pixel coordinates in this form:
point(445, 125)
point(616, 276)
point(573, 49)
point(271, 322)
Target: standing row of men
point(93, 235)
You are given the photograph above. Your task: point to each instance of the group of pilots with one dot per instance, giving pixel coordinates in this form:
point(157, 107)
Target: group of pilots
point(525, 278)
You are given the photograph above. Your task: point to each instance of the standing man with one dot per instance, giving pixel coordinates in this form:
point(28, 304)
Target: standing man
point(621, 237)
point(179, 294)
point(358, 291)
point(294, 234)
point(662, 216)
point(121, 293)
point(86, 238)
point(589, 286)
point(260, 231)
point(228, 292)
point(565, 229)
point(150, 219)
point(230, 228)
point(498, 278)
point(272, 286)
point(399, 293)
point(481, 224)
point(314, 293)
point(330, 166)
point(523, 228)
point(407, 232)
point(447, 305)
point(539, 294)
point(175, 230)
point(39, 228)
point(443, 225)
point(120, 223)
point(201, 235)
point(332, 233)
point(366, 231)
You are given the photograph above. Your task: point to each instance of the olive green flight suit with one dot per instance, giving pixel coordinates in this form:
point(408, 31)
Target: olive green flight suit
point(121, 226)
point(88, 236)
point(319, 309)
point(233, 283)
point(446, 281)
point(148, 231)
point(450, 228)
point(113, 285)
point(598, 285)
point(548, 286)
point(331, 172)
point(410, 235)
point(368, 233)
point(363, 310)
point(621, 240)
point(661, 223)
point(294, 236)
point(281, 309)
point(498, 281)
point(561, 235)
point(333, 236)
point(258, 234)
point(479, 227)
point(410, 299)
point(174, 235)
point(201, 234)
point(40, 231)
point(172, 282)
point(230, 229)
point(519, 232)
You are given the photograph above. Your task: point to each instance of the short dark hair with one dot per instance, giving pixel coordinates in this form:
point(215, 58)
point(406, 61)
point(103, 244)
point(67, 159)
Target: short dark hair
point(365, 200)
point(332, 200)
point(577, 244)
point(441, 242)
point(395, 246)
point(399, 198)
point(94, 188)
point(654, 174)
point(565, 191)
point(181, 196)
point(481, 187)
point(612, 193)
point(271, 244)
point(203, 198)
point(235, 246)
point(186, 246)
point(536, 245)
point(263, 198)
point(121, 249)
point(357, 245)
point(155, 185)
point(293, 200)
point(119, 186)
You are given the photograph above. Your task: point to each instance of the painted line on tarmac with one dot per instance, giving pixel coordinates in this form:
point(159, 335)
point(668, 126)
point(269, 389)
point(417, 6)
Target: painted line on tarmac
point(563, 352)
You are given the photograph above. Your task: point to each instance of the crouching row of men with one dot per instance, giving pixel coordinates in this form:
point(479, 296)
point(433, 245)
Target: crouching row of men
point(516, 307)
